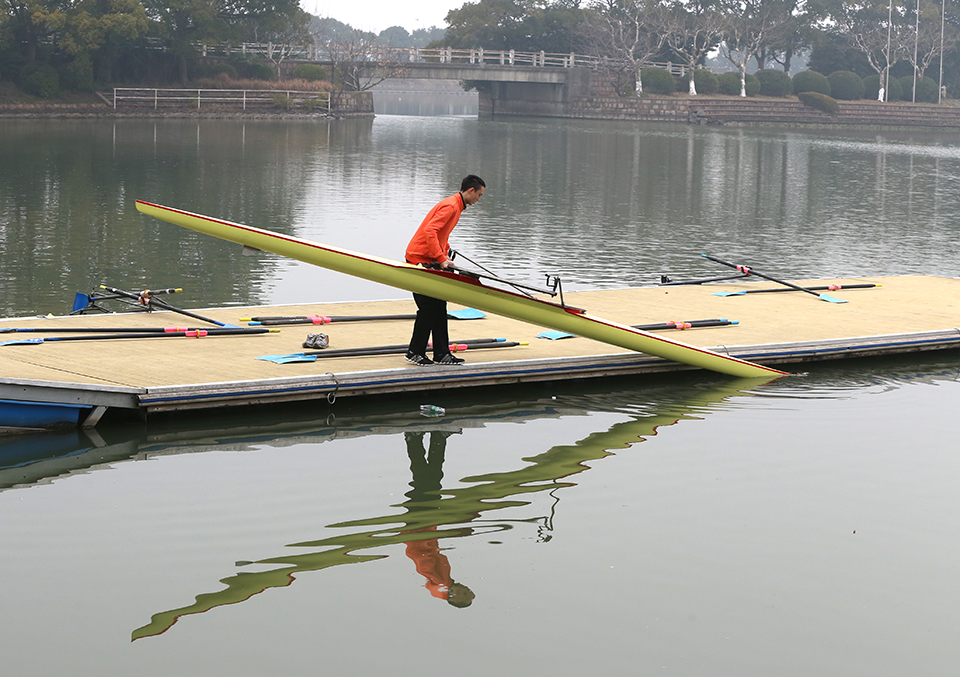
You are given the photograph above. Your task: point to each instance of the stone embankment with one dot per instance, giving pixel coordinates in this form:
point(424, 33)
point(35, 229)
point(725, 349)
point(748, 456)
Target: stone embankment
point(760, 111)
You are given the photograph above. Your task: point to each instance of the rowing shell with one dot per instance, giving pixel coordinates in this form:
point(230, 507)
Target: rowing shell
point(460, 289)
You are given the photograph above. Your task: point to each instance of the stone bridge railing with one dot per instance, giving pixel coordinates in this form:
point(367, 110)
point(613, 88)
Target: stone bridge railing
point(446, 55)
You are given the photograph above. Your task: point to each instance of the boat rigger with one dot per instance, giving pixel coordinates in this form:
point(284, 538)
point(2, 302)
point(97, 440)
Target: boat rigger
point(462, 289)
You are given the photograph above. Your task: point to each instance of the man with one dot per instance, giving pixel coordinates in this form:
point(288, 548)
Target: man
point(430, 247)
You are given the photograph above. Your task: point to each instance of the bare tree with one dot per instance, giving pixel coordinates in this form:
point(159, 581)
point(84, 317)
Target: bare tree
point(624, 35)
point(924, 37)
point(747, 26)
point(692, 31)
point(879, 31)
point(358, 62)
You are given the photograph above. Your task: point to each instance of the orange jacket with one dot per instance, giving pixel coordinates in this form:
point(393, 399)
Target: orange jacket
point(432, 565)
point(429, 243)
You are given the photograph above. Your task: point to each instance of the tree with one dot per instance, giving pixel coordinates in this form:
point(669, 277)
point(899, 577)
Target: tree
point(358, 62)
point(283, 34)
point(623, 36)
point(747, 25)
point(95, 31)
point(693, 30)
point(30, 22)
point(524, 25)
point(878, 31)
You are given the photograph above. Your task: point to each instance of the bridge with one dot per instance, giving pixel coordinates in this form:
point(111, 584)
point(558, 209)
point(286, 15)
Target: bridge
point(508, 81)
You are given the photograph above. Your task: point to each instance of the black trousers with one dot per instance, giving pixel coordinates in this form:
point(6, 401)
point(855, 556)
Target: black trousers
point(431, 319)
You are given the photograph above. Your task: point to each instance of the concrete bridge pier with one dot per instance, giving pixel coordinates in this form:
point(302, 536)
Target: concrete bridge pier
point(499, 97)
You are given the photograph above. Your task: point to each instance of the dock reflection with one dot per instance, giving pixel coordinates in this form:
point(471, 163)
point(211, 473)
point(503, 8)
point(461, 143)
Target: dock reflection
point(431, 513)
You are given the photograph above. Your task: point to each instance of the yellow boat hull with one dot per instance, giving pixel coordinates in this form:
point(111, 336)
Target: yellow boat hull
point(460, 289)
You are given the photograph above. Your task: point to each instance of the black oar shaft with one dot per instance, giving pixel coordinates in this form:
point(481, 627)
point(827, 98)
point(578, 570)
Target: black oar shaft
point(683, 325)
point(671, 283)
point(824, 287)
point(399, 349)
point(96, 330)
point(146, 298)
point(325, 319)
point(750, 271)
point(188, 333)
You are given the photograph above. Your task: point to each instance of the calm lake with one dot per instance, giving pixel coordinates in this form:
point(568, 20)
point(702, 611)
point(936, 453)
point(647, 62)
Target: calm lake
point(691, 525)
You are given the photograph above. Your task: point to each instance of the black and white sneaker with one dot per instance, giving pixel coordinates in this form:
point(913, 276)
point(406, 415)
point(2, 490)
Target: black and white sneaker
point(316, 341)
point(419, 360)
point(450, 358)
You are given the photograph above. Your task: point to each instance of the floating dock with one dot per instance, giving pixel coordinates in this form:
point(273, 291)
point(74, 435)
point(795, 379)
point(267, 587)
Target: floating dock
point(77, 382)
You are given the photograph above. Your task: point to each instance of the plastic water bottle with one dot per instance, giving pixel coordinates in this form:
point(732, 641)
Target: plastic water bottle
point(431, 410)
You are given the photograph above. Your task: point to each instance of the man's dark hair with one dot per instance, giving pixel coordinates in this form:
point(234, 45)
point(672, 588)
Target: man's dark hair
point(471, 181)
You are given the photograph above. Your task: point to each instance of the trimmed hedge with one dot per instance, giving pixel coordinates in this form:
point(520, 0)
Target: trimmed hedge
point(657, 80)
point(871, 88)
point(705, 81)
point(926, 89)
point(811, 81)
point(820, 101)
point(774, 82)
point(40, 79)
point(845, 85)
point(730, 84)
point(310, 71)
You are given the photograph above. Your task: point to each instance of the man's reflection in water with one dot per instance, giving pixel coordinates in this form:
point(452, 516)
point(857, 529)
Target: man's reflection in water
point(427, 469)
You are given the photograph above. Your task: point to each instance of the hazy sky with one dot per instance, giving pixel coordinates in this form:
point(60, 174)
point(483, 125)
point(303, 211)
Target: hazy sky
point(375, 15)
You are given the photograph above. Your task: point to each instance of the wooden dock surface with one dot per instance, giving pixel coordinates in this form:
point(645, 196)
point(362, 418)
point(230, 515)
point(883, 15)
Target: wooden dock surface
point(904, 314)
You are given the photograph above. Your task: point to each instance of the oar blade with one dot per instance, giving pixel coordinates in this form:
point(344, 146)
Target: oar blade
point(466, 314)
point(730, 293)
point(21, 342)
point(831, 299)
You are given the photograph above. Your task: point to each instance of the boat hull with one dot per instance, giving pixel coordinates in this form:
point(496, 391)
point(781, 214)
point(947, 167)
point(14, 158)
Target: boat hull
point(460, 289)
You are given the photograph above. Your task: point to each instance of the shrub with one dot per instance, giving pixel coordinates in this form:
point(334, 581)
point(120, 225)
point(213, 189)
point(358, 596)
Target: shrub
point(845, 85)
point(926, 89)
point(811, 81)
point(261, 71)
point(223, 69)
point(705, 81)
point(896, 91)
point(283, 101)
point(77, 75)
point(820, 101)
point(310, 71)
point(774, 82)
point(40, 79)
point(657, 80)
point(871, 88)
point(729, 83)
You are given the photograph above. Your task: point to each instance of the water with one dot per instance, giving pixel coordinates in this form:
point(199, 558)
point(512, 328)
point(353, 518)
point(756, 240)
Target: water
point(690, 525)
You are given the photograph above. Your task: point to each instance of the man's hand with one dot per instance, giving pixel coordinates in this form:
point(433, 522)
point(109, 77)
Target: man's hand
point(447, 265)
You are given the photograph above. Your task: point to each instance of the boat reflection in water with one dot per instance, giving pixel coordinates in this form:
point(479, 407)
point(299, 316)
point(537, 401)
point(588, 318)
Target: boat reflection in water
point(431, 513)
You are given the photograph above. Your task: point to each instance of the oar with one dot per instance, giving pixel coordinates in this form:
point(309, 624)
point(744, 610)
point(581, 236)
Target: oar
point(827, 287)
point(385, 350)
point(490, 276)
point(83, 302)
point(190, 333)
point(96, 330)
point(679, 324)
point(463, 314)
point(146, 297)
point(667, 282)
point(320, 319)
point(750, 271)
